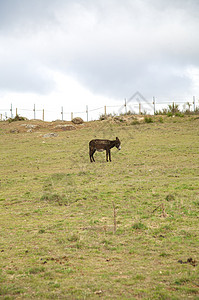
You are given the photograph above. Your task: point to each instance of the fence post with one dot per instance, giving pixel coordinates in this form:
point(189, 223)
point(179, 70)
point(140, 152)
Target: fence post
point(43, 115)
point(154, 104)
point(105, 110)
point(11, 110)
point(194, 103)
point(71, 116)
point(62, 113)
point(34, 112)
point(87, 112)
point(16, 111)
point(139, 108)
point(125, 106)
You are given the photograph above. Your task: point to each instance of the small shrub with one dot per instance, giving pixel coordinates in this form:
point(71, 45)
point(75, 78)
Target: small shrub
point(139, 225)
point(170, 197)
point(169, 114)
point(162, 112)
point(128, 113)
point(148, 120)
point(106, 242)
point(174, 108)
point(196, 203)
point(36, 270)
point(139, 277)
point(102, 117)
point(105, 117)
point(68, 271)
point(179, 114)
point(51, 197)
point(163, 254)
point(55, 198)
point(135, 122)
point(16, 118)
point(73, 238)
point(181, 281)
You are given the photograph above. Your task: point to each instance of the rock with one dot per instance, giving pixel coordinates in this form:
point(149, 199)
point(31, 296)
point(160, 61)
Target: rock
point(31, 126)
point(14, 130)
point(77, 120)
point(65, 127)
point(49, 135)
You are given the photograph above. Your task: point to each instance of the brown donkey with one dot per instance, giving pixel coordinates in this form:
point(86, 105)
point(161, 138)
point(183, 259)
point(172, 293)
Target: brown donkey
point(101, 145)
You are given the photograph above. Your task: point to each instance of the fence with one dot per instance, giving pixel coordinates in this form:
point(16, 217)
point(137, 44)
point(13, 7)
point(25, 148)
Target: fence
point(136, 107)
point(49, 115)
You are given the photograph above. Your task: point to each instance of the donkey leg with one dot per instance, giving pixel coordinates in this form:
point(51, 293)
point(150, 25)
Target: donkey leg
point(91, 160)
point(109, 153)
point(92, 155)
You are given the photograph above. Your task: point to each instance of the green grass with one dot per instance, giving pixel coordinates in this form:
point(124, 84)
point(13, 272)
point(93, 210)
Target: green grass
point(57, 236)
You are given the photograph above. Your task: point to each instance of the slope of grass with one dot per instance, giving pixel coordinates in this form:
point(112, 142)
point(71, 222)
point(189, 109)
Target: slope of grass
point(57, 220)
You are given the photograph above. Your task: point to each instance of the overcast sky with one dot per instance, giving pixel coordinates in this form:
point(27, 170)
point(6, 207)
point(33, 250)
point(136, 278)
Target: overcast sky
point(74, 53)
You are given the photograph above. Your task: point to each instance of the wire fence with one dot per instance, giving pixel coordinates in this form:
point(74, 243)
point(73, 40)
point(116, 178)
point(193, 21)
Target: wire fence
point(133, 106)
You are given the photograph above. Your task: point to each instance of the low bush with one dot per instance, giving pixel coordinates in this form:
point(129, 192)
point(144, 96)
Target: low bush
point(17, 118)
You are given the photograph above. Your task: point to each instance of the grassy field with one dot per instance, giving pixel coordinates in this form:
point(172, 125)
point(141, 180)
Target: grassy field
point(127, 229)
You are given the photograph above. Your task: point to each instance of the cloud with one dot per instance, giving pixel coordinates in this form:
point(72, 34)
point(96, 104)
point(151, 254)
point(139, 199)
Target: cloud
point(132, 47)
point(113, 48)
point(21, 69)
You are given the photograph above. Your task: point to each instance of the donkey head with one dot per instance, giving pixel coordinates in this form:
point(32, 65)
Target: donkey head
point(118, 144)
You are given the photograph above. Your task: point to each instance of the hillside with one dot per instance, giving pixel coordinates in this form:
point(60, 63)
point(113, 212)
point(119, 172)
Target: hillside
point(127, 229)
